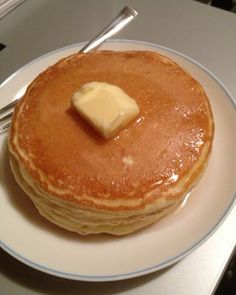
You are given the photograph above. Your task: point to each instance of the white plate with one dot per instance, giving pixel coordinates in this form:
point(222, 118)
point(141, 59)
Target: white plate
point(38, 243)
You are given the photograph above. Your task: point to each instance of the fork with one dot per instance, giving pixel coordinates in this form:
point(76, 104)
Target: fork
point(118, 23)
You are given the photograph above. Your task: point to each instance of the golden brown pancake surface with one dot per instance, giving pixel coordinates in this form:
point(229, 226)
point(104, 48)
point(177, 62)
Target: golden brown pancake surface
point(169, 141)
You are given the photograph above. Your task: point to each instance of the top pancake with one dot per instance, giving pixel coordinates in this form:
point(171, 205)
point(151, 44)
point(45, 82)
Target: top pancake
point(164, 148)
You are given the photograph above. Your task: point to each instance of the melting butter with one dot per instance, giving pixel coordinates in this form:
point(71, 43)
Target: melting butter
point(104, 106)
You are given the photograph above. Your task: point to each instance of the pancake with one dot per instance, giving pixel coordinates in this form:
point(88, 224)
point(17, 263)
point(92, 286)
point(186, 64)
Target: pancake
point(88, 184)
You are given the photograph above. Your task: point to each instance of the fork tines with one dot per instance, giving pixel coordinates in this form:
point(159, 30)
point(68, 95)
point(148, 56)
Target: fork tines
point(6, 114)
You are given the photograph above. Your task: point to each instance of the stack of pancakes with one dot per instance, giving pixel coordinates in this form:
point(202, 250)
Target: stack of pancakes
point(88, 184)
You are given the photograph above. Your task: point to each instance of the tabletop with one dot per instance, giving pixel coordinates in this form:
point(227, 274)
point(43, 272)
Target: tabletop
point(204, 33)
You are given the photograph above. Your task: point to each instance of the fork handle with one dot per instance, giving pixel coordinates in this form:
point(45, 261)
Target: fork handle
point(118, 23)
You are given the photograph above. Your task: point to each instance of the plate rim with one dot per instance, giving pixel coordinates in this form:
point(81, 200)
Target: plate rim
point(155, 267)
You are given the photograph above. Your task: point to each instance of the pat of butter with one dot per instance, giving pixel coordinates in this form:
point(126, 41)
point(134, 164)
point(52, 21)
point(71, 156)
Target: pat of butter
point(105, 106)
